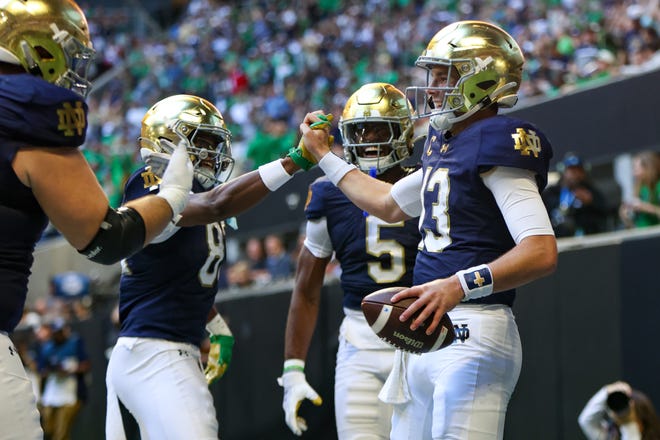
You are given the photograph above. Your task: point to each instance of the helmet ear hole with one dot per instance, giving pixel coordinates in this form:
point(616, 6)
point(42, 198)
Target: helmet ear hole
point(43, 53)
point(485, 85)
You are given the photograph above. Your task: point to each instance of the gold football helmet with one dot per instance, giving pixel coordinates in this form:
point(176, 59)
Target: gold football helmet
point(376, 128)
point(488, 62)
point(200, 124)
point(49, 38)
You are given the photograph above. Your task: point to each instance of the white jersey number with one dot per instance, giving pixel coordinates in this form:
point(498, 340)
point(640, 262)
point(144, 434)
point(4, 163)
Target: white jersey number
point(208, 274)
point(377, 247)
point(438, 239)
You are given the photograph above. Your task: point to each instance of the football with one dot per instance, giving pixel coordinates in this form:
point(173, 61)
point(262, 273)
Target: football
point(383, 317)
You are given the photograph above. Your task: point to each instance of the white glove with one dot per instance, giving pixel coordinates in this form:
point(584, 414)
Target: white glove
point(157, 161)
point(296, 389)
point(176, 183)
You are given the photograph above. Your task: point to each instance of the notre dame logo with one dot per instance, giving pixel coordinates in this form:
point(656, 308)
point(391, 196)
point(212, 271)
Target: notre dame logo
point(150, 179)
point(527, 142)
point(71, 119)
point(462, 332)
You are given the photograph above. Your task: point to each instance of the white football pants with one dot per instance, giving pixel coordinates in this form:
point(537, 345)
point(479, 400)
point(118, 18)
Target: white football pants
point(162, 384)
point(461, 392)
point(19, 418)
point(363, 364)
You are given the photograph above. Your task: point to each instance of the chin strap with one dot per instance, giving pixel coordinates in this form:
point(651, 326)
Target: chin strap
point(445, 121)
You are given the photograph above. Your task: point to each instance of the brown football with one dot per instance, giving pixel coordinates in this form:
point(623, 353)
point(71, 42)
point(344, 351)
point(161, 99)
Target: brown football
point(383, 317)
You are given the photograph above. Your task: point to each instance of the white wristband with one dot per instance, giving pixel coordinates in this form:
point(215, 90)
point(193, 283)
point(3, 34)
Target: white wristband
point(476, 281)
point(293, 365)
point(274, 175)
point(218, 326)
point(335, 168)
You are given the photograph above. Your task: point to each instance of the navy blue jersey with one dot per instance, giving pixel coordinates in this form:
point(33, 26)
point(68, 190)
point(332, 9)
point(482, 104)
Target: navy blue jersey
point(168, 288)
point(33, 113)
point(461, 224)
point(373, 254)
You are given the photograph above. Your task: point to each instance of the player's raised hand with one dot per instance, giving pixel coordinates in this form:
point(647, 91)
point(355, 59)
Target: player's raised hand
point(316, 141)
point(296, 389)
point(176, 183)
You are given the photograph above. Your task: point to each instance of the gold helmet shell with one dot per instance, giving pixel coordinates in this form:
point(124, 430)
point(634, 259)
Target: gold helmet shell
point(488, 62)
point(200, 125)
point(49, 38)
point(376, 127)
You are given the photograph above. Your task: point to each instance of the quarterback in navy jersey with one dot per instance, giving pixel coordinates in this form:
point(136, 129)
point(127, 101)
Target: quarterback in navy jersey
point(45, 50)
point(377, 136)
point(167, 290)
point(483, 225)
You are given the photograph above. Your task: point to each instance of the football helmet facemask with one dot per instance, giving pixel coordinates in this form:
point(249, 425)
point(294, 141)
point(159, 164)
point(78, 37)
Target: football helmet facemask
point(376, 128)
point(488, 62)
point(50, 39)
point(198, 123)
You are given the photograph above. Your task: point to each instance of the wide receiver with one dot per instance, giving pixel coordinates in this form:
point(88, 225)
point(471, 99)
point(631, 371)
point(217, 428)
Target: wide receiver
point(45, 52)
point(377, 137)
point(484, 229)
point(167, 290)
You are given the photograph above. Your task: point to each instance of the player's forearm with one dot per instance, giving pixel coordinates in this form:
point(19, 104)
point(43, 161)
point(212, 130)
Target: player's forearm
point(227, 200)
point(535, 257)
point(305, 303)
point(237, 195)
point(371, 195)
point(155, 212)
point(300, 327)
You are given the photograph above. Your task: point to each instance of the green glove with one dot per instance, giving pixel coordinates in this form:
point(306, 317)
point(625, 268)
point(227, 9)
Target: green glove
point(219, 357)
point(303, 158)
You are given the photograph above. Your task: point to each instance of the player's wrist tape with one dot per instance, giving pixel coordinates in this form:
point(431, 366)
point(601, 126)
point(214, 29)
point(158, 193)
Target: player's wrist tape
point(274, 175)
point(218, 326)
point(476, 281)
point(335, 168)
point(176, 197)
point(293, 365)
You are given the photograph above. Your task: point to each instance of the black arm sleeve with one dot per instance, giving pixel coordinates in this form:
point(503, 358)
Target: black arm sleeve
point(120, 235)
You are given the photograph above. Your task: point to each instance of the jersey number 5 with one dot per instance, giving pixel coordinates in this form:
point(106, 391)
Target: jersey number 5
point(377, 247)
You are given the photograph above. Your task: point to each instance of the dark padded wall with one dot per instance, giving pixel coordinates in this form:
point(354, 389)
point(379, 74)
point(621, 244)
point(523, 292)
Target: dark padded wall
point(248, 399)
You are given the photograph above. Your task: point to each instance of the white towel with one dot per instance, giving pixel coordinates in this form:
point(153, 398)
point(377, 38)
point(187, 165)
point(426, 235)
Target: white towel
point(395, 390)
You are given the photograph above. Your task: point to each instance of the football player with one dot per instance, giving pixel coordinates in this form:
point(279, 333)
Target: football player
point(484, 229)
point(45, 51)
point(377, 137)
point(167, 290)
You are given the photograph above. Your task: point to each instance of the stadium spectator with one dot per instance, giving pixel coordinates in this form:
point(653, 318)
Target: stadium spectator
point(62, 362)
point(643, 209)
point(278, 260)
point(575, 205)
point(256, 260)
point(619, 412)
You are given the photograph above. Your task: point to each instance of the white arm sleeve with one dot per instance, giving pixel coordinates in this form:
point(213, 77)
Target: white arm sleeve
point(317, 239)
point(519, 200)
point(406, 194)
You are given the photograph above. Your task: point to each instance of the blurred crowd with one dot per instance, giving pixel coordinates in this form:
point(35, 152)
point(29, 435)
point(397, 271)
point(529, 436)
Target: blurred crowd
point(264, 64)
